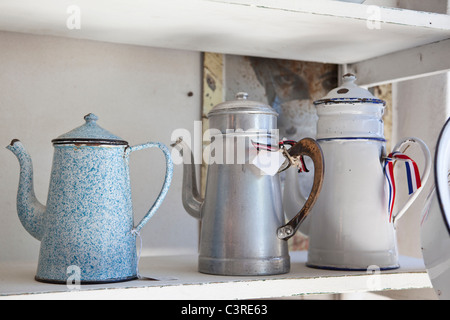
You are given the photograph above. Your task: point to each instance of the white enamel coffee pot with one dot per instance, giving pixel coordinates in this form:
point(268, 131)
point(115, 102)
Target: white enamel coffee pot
point(352, 227)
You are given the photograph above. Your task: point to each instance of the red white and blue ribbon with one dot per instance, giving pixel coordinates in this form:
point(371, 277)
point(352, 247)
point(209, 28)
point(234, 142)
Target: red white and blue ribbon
point(412, 176)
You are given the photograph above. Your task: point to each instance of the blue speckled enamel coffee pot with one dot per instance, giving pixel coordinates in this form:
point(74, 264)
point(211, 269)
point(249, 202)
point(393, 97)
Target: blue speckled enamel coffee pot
point(87, 224)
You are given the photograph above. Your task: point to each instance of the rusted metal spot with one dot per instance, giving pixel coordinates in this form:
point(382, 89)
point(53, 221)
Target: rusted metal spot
point(280, 80)
point(292, 130)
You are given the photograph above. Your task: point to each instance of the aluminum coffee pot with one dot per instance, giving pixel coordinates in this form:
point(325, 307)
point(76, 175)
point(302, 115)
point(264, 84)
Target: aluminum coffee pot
point(353, 224)
point(242, 211)
point(87, 229)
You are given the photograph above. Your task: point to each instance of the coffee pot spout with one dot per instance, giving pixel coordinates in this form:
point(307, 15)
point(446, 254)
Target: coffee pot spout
point(29, 209)
point(192, 201)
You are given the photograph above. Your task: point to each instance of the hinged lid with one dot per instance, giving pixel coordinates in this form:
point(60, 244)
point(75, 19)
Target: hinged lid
point(90, 133)
point(349, 92)
point(242, 105)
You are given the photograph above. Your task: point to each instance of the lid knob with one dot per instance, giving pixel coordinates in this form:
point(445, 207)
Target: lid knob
point(90, 117)
point(242, 96)
point(349, 77)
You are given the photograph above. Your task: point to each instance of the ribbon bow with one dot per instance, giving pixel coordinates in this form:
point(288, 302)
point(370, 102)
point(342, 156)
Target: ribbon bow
point(412, 175)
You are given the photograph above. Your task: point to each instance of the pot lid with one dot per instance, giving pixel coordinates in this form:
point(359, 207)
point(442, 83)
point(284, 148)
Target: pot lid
point(90, 133)
point(242, 105)
point(349, 92)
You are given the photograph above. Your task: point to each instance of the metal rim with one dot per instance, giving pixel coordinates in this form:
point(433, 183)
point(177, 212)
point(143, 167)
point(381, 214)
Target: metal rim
point(94, 142)
point(349, 100)
point(351, 138)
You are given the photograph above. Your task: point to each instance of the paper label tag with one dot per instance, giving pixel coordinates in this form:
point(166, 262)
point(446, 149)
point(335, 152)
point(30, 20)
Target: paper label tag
point(269, 162)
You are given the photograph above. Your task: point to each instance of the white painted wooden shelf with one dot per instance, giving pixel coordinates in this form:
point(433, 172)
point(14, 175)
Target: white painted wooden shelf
point(319, 30)
point(179, 280)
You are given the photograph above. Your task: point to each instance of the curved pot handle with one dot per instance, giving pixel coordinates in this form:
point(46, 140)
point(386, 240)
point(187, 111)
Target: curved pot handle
point(426, 173)
point(167, 179)
point(305, 147)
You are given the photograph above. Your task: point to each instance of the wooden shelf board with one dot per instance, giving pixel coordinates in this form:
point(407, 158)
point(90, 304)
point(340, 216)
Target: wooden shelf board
point(320, 30)
point(179, 279)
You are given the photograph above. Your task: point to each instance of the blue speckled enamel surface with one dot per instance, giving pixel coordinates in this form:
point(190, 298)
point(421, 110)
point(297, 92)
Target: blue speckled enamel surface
point(88, 221)
point(89, 131)
point(89, 216)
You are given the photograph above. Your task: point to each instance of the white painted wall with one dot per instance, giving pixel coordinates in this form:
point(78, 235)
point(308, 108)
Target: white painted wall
point(437, 6)
point(48, 84)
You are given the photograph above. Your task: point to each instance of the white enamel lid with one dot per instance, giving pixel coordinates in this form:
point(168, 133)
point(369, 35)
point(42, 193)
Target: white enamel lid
point(349, 92)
